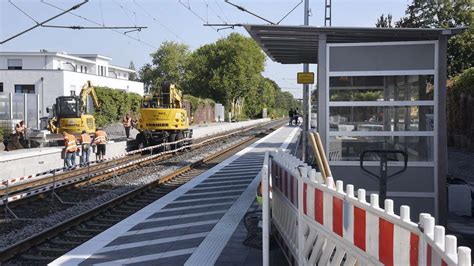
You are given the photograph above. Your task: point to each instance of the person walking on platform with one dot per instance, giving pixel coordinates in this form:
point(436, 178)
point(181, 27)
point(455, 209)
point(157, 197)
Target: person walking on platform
point(85, 141)
point(70, 149)
point(296, 115)
point(127, 124)
point(290, 116)
point(100, 140)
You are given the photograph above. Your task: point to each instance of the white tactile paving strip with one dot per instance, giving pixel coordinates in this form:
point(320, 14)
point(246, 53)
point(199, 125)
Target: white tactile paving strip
point(192, 224)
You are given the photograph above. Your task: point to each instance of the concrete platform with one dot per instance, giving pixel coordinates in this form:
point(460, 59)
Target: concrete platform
point(27, 162)
point(193, 224)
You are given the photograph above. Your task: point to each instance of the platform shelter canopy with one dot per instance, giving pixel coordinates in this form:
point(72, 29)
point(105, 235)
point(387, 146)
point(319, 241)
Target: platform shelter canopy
point(299, 44)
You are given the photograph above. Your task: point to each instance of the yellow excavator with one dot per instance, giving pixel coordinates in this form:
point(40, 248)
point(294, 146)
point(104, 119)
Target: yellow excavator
point(163, 118)
point(74, 113)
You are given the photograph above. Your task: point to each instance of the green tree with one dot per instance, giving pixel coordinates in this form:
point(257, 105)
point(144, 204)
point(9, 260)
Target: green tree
point(132, 76)
point(168, 64)
point(228, 71)
point(443, 14)
point(147, 76)
point(384, 21)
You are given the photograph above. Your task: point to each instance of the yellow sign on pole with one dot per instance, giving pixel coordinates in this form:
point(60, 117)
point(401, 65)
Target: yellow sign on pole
point(305, 78)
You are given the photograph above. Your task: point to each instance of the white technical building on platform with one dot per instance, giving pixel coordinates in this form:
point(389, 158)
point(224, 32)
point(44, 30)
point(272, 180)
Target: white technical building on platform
point(53, 74)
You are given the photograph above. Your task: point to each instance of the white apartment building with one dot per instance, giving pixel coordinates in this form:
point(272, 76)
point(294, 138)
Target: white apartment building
point(53, 74)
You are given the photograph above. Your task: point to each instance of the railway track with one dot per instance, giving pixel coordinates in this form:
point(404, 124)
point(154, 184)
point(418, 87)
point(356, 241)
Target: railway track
point(20, 190)
point(59, 238)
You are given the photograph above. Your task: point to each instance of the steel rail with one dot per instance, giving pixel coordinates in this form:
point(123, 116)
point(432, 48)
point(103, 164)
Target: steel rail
point(101, 170)
point(37, 239)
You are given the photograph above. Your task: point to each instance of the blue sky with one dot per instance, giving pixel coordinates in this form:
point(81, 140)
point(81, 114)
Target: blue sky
point(170, 20)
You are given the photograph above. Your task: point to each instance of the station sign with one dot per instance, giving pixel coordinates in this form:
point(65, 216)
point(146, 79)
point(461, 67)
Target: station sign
point(305, 78)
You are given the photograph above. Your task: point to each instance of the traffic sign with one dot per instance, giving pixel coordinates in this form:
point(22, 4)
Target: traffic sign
point(305, 78)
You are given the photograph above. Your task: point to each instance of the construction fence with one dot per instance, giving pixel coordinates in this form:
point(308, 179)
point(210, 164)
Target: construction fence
point(317, 221)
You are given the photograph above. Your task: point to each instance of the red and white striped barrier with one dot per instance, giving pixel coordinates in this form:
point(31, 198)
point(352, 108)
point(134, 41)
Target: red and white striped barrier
point(320, 223)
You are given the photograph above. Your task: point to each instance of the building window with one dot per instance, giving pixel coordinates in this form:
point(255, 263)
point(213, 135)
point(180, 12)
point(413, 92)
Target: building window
point(14, 64)
point(82, 71)
point(1, 86)
point(22, 88)
point(85, 69)
point(72, 90)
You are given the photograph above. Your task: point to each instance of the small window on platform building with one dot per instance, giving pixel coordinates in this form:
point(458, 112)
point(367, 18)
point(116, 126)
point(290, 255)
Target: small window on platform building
point(1, 86)
point(15, 64)
point(25, 88)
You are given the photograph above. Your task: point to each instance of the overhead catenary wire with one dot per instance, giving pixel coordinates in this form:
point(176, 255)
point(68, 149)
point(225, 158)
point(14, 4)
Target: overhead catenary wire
point(188, 7)
point(65, 11)
point(287, 14)
point(101, 12)
point(124, 11)
point(243, 9)
point(158, 21)
point(97, 23)
point(217, 14)
point(22, 11)
point(228, 18)
point(95, 28)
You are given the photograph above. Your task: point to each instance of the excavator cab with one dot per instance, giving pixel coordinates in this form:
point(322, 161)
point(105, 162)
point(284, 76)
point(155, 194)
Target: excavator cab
point(74, 113)
point(162, 117)
point(68, 107)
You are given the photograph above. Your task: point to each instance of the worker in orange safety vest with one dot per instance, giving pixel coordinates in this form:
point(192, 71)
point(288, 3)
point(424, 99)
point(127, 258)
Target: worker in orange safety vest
point(70, 149)
point(85, 141)
point(127, 124)
point(100, 140)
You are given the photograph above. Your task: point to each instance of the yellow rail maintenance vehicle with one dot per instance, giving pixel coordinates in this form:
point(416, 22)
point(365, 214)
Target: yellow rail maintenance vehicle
point(163, 118)
point(74, 113)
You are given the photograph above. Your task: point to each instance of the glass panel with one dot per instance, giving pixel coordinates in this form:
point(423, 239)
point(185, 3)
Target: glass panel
point(380, 88)
point(32, 115)
point(18, 106)
point(4, 106)
point(343, 148)
point(381, 118)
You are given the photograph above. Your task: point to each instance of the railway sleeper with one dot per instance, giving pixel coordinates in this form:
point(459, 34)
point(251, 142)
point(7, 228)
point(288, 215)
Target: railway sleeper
point(133, 204)
point(61, 242)
point(111, 214)
point(120, 210)
point(89, 230)
point(98, 225)
point(70, 234)
point(36, 258)
point(125, 209)
point(51, 251)
point(150, 198)
point(143, 200)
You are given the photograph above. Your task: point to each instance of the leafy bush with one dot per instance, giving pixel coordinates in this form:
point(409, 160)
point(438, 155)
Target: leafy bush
point(460, 111)
point(464, 83)
point(195, 102)
point(114, 104)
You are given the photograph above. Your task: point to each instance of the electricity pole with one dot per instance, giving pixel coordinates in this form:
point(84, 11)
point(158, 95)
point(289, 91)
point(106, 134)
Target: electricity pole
point(306, 96)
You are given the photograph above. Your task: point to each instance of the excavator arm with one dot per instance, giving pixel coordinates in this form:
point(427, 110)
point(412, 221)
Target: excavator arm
point(176, 96)
point(86, 90)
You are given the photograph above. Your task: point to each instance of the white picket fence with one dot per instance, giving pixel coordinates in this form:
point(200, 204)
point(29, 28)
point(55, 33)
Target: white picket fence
point(318, 222)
